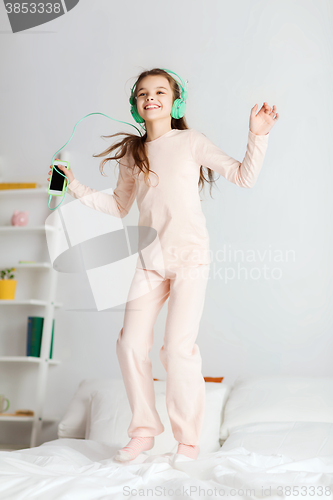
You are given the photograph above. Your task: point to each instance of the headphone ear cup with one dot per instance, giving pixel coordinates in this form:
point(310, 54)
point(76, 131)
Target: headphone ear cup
point(134, 110)
point(178, 109)
point(131, 99)
point(135, 114)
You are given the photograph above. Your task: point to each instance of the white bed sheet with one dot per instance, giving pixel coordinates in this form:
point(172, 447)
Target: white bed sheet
point(75, 469)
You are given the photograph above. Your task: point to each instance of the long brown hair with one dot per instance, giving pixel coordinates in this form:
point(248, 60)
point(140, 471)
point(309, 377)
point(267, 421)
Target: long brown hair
point(136, 144)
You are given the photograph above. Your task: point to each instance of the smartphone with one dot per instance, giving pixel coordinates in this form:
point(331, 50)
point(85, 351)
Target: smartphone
point(58, 182)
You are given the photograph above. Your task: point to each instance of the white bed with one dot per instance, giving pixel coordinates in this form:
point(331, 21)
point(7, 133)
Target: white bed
point(276, 435)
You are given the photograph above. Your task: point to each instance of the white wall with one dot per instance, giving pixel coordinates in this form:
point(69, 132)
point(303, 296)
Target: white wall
point(234, 54)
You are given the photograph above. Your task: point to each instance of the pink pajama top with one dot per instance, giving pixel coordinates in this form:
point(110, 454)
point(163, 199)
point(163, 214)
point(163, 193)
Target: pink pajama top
point(170, 204)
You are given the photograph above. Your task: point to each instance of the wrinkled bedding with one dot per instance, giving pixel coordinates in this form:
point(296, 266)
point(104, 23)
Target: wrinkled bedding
point(257, 461)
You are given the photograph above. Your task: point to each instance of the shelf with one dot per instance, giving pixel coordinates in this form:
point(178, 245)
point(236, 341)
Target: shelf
point(31, 229)
point(43, 229)
point(5, 418)
point(42, 190)
point(36, 265)
point(32, 302)
point(29, 265)
point(27, 359)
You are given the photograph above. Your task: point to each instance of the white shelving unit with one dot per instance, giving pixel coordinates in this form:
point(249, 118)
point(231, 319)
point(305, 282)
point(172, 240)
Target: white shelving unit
point(42, 363)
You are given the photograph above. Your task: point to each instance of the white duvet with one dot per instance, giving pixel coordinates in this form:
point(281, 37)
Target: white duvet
point(272, 461)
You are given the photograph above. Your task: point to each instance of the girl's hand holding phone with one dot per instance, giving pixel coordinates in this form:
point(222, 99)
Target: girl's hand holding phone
point(66, 171)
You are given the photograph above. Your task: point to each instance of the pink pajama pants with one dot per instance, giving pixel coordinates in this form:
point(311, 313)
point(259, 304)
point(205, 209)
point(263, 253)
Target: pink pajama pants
point(185, 386)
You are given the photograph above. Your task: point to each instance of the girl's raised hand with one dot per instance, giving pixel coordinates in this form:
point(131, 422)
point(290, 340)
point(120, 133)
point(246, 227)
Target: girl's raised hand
point(68, 172)
point(264, 121)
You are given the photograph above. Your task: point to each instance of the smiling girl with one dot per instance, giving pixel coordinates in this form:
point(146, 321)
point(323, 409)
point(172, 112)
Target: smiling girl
point(163, 170)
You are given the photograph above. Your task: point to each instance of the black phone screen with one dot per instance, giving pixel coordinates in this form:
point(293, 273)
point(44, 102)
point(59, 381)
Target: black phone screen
point(57, 181)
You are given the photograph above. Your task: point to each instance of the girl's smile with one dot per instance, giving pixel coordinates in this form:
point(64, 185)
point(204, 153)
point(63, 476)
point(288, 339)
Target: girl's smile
point(151, 106)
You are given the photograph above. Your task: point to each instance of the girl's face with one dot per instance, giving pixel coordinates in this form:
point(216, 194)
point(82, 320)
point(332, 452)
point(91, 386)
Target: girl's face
point(154, 91)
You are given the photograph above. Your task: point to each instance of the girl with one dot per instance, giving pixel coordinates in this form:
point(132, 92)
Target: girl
point(162, 170)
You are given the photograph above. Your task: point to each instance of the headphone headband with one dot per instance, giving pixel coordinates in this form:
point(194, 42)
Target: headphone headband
point(183, 87)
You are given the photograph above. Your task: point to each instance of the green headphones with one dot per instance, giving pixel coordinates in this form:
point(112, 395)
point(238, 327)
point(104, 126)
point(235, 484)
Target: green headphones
point(178, 107)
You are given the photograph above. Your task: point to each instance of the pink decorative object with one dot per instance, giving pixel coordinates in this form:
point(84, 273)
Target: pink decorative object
point(19, 218)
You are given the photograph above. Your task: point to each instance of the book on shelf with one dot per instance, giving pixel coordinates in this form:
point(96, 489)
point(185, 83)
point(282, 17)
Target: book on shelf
point(34, 336)
point(19, 185)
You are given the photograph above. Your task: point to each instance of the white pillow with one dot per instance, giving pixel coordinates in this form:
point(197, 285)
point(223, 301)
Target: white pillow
point(295, 440)
point(110, 416)
point(277, 399)
point(73, 423)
